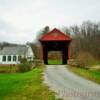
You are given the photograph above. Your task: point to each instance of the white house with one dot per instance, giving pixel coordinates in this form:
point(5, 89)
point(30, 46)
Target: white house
point(12, 54)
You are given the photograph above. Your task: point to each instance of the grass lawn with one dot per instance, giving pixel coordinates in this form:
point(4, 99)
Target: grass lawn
point(24, 86)
point(93, 75)
point(54, 61)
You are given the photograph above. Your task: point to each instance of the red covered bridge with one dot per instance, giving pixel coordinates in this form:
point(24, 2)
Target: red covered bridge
point(55, 40)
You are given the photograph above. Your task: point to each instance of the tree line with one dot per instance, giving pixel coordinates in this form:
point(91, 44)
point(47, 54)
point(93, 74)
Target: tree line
point(86, 38)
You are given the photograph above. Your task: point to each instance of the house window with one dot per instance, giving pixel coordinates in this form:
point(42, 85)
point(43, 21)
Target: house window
point(9, 58)
point(14, 58)
point(19, 58)
point(4, 58)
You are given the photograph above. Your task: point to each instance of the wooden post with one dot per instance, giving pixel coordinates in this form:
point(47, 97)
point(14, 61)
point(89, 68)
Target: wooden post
point(45, 55)
point(64, 56)
point(68, 53)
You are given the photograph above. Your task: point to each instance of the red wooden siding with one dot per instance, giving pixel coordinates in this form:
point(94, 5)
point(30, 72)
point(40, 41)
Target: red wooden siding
point(55, 35)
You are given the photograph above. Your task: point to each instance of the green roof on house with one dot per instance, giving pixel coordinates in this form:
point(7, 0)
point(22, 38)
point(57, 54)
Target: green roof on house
point(13, 50)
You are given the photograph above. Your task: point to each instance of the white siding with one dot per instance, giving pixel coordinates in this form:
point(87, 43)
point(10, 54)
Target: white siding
point(9, 62)
point(30, 54)
point(0, 59)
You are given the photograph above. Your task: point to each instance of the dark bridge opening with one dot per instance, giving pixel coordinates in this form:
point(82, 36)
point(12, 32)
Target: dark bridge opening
point(54, 57)
point(55, 41)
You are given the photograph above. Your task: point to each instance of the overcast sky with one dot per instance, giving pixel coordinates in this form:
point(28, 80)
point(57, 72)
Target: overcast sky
point(20, 20)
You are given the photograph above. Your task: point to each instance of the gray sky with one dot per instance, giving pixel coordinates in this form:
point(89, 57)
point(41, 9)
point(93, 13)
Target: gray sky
point(21, 19)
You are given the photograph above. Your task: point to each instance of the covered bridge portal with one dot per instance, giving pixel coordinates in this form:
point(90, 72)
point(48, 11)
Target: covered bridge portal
point(55, 41)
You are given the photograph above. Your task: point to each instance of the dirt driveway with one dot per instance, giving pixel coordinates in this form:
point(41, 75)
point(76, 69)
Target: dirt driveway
point(68, 85)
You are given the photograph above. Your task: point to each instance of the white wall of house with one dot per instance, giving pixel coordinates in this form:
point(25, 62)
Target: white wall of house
point(0, 59)
point(9, 62)
point(29, 54)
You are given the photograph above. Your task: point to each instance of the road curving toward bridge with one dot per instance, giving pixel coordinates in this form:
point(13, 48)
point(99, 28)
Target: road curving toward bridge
point(70, 86)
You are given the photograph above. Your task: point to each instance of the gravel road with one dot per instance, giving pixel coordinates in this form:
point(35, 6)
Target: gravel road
point(70, 86)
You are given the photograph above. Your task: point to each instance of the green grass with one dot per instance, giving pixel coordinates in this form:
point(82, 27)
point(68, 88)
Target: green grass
point(93, 75)
point(54, 61)
point(24, 86)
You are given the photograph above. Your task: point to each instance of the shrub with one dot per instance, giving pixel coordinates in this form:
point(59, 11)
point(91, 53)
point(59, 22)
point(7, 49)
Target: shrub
point(24, 67)
point(85, 59)
point(23, 60)
point(73, 62)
